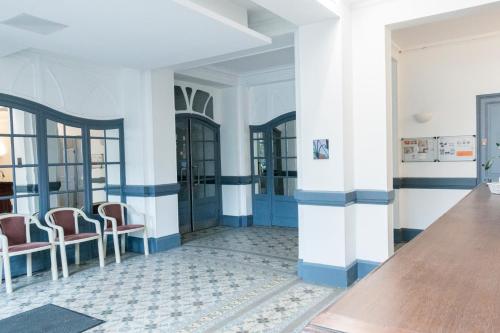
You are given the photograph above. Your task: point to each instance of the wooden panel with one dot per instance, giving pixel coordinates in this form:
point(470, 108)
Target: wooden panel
point(445, 280)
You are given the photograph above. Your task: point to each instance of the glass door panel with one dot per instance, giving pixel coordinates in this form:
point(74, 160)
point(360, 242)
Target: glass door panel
point(183, 176)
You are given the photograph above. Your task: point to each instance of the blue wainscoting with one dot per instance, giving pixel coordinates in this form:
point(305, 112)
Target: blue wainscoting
point(335, 276)
point(136, 244)
point(236, 180)
point(147, 190)
point(404, 235)
point(237, 221)
point(436, 183)
point(343, 199)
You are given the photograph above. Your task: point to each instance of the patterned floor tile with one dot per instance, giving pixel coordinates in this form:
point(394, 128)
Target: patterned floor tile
point(221, 280)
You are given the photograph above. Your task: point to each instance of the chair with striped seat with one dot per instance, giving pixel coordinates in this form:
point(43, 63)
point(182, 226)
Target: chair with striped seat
point(15, 240)
point(64, 221)
point(115, 223)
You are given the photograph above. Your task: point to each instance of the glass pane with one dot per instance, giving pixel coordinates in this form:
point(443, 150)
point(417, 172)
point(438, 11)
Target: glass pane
point(6, 206)
point(261, 186)
point(76, 199)
point(260, 167)
point(26, 180)
point(97, 133)
point(210, 169)
point(189, 92)
point(6, 182)
point(54, 128)
point(5, 148)
point(209, 110)
point(114, 175)
point(74, 150)
point(259, 148)
point(58, 200)
point(291, 147)
point(25, 150)
point(75, 178)
point(184, 193)
point(73, 131)
point(279, 131)
point(24, 122)
point(291, 165)
point(199, 191)
point(28, 205)
point(112, 150)
point(57, 178)
point(279, 147)
point(210, 190)
point(209, 134)
point(279, 186)
point(209, 151)
point(197, 151)
point(55, 149)
point(113, 133)
point(290, 129)
point(279, 167)
point(258, 135)
point(196, 131)
point(291, 186)
point(180, 100)
point(200, 100)
point(4, 120)
point(98, 176)
point(98, 196)
point(97, 150)
point(198, 172)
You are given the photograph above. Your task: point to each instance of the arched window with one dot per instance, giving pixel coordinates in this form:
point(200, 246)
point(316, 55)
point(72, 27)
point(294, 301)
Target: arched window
point(201, 102)
point(49, 159)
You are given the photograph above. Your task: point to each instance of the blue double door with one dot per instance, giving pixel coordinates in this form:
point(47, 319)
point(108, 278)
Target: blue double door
point(198, 173)
point(274, 172)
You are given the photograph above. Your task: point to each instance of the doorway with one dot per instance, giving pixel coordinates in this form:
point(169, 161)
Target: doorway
point(489, 136)
point(274, 172)
point(198, 172)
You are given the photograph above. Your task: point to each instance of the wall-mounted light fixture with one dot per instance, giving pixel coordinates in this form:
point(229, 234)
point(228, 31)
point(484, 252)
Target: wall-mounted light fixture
point(423, 117)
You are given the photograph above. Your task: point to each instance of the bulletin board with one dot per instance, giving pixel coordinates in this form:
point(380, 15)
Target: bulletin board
point(419, 149)
point(457, 148)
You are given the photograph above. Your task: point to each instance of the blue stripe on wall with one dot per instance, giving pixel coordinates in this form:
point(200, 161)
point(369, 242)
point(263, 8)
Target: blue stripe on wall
point(404, 235)
point(136, 244)
point(236, 180)
point(343, 199)
point(237, 221)
point(146, 190)
point(436, 183)
point(335, 276)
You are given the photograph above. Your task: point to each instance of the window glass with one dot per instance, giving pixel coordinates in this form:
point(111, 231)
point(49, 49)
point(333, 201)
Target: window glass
point(28, 205)
point(114, 174)
point(26, 180)
point(209, 111)
point(25, 151)
point(54, 128)
point(98, 176)
point(200, 100)
point(4, 120)
point(113, 133)
point(180, 100)
point(55, 150)
point(97, 133)
point(57, 178)
point(112, 151)
point(24, 122)
point(73, 131)
point(5, 151)
point(74, 150)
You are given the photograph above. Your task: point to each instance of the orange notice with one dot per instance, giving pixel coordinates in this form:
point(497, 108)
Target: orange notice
point(465, 153)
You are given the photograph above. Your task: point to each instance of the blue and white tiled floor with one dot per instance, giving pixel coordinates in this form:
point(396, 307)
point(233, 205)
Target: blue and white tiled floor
point(220, 280)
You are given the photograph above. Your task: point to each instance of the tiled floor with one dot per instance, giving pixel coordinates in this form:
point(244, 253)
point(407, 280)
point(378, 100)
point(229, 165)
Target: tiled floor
point(220, 280)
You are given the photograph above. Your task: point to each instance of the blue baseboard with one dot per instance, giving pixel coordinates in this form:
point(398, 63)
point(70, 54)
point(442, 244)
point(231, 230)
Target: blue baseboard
point(334, 276)
point(237, 221)
point(404, 235)
point(136, 244)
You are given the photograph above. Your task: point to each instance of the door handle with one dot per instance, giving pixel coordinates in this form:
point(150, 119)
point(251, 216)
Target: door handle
point(195, 166)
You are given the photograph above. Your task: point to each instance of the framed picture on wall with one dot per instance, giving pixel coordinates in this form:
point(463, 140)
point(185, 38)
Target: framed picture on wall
point(321, 149)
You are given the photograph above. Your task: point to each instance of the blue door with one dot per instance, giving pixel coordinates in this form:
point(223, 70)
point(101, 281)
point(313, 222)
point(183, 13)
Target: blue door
point(274, 172)
point(489, 137)
point(198, 173)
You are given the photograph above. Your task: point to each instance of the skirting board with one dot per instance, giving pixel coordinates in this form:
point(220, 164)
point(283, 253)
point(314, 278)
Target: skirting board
point(335, 276)
point(404, 235)
point(136, 244)
point(237, 221)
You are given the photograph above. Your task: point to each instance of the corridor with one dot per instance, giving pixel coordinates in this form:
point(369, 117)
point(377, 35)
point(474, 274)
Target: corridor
point(221, 280)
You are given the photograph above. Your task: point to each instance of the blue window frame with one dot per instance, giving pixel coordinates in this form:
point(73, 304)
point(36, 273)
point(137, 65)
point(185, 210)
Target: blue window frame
point(47, 158)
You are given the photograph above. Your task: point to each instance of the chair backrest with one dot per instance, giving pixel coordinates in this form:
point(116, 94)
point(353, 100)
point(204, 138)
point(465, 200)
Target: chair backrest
point(15, 228)
point(65, 218)
point(116, 211)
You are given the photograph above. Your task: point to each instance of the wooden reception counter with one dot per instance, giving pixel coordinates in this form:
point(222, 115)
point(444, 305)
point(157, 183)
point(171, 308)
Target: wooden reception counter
point(445, 280)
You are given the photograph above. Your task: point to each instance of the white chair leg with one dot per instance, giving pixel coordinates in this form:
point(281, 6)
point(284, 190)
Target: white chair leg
point(77, 254)
point(123, 237)
point(64, 260)
point(53, 262)
point(146, 243)
point(101, 252)
point(105, 244)
point(29, 266)
point(8, 279)
point(117, 248)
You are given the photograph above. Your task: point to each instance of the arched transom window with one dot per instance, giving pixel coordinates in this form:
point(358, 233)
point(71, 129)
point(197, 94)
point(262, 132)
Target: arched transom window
point(188, 99)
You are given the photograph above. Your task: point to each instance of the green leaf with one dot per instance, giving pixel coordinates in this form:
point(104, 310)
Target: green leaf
point(488, 164)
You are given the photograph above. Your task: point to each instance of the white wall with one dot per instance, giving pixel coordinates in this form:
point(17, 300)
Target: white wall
point(269, 101)
point(445, 81)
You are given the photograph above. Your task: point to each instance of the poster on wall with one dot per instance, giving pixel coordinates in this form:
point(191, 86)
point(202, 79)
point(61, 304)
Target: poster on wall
point(457, 148)
point(419, 149)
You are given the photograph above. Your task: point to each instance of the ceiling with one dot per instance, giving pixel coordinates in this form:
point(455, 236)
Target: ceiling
point(125, 33)
point(476, 22)
point(258, 62)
